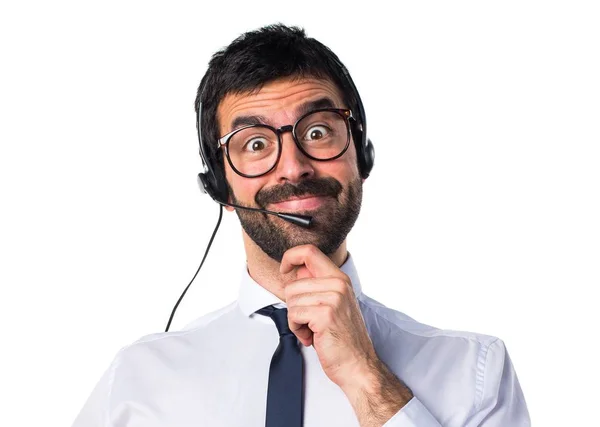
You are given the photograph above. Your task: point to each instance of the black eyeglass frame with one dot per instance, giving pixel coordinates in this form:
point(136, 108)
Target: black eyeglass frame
point(345, 113)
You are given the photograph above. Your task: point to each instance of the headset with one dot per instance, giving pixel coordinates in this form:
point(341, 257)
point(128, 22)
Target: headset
point(212, 180)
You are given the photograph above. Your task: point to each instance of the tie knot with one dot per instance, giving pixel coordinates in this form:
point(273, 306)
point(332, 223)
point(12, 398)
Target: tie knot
point(279, 316)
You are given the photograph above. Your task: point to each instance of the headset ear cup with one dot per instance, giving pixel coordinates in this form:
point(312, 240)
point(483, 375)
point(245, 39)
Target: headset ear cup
point(220, 184)
point(364, 151)
point(368, 159)
point(203, 184)
point(213, 186)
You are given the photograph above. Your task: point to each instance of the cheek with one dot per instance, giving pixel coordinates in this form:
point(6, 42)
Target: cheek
point(347, 165)
point(244, 188)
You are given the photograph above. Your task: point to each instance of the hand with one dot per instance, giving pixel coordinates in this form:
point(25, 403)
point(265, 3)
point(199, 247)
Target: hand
point(323, 311)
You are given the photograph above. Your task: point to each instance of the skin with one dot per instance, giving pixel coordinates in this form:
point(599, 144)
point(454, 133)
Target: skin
point(322, 307)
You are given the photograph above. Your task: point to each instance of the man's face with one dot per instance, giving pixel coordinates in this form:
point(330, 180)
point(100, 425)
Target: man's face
point(329, 191)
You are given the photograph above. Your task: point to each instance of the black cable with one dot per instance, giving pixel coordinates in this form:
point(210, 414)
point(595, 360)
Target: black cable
point(205, 253)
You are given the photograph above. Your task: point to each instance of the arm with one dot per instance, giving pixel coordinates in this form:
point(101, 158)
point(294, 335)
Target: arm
point(379, 398)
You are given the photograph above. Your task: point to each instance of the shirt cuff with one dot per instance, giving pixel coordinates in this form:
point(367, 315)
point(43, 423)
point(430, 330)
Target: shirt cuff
point(413, 414)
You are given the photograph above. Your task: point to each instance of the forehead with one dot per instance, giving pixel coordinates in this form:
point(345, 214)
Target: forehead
point(279, 102)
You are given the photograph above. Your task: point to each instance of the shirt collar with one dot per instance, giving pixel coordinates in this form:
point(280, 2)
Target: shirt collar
point(253, 296)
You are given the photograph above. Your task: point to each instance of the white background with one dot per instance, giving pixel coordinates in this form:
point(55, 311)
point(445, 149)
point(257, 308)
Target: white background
point(481, 213)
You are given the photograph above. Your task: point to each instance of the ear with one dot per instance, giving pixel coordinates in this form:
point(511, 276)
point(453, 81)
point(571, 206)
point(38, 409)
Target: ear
point(229, 208)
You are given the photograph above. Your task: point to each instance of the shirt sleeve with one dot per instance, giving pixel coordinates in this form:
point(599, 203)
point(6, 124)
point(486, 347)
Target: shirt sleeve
point(95, 410)
point(499, 398)
point(413, 414)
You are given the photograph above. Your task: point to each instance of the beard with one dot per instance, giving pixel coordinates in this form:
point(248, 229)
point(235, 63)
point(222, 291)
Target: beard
point(332, 220)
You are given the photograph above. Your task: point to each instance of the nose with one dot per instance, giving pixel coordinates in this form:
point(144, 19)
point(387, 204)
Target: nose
point(293, 165)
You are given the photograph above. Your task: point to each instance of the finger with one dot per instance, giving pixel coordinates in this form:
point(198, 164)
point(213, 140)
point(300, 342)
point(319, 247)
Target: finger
point(317, 263)
point(331, 298)
point(304, 334)
point(301, 330)
point(316, 318)
point(315, 285)
point(302, 273)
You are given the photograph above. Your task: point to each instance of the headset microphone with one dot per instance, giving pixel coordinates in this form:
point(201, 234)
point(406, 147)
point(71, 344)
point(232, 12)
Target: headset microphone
point(301, 220)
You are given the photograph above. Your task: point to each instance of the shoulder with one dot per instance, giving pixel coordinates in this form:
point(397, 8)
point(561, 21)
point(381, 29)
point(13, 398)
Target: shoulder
point(170, 342)
point(383, 320)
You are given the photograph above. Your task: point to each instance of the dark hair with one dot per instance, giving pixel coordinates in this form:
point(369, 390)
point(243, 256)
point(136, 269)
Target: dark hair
point(256, 58)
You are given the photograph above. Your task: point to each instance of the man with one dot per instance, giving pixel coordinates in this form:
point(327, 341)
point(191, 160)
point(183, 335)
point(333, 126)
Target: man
point(282, 129)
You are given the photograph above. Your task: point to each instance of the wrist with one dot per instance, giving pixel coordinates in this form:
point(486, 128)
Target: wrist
point(376, 394)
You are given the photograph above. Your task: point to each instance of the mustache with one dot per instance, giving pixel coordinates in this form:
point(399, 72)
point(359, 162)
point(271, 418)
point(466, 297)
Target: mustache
point(308, 187)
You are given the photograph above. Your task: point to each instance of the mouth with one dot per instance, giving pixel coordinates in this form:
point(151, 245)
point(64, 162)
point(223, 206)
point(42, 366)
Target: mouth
point(306, 202)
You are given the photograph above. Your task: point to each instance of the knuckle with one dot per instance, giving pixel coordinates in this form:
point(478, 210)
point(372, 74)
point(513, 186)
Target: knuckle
point(329, 313)
point(342, 284)
point(337, 298)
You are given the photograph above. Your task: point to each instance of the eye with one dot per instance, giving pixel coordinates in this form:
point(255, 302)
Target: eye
point(256, 145)
point(316, 132)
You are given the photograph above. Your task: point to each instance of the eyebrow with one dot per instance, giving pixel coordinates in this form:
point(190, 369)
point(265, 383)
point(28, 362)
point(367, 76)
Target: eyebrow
point(324, 102)
point(314, 105)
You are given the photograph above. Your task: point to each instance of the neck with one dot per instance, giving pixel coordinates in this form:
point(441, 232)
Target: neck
point(264, 270)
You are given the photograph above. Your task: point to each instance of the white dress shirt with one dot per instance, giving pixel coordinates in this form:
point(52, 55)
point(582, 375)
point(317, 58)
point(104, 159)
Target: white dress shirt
point(215, 372)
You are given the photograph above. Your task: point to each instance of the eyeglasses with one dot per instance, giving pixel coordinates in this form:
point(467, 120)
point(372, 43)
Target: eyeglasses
point(321, 135)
